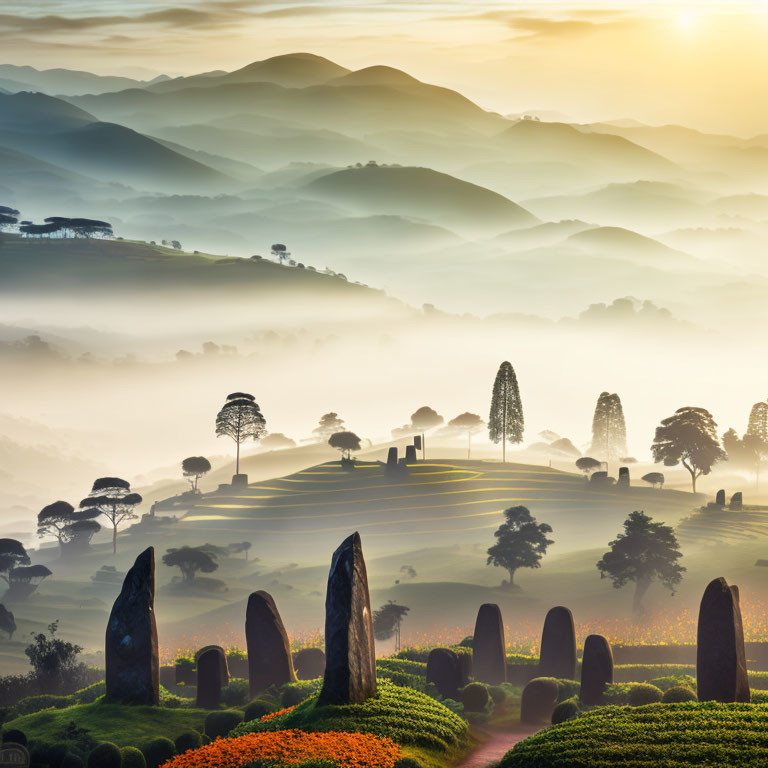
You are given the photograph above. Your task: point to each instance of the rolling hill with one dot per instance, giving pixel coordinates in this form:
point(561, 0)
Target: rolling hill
point(64, 82)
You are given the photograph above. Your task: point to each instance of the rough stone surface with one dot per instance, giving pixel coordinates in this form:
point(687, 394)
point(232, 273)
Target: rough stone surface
point(269, 651)
point(130, 652)
point(721, 668)
point(350, 668)
point(539, 701)
point(557, 657)
point(489, 658)
point(392, 457)
point(212, 676)
point(222, 660)
point(596, 669)
point(410, 454)
point(623, 481)
point(444, 670)
point(240, 481)
point(720, 498)
point(309, 663)
point(737, 501)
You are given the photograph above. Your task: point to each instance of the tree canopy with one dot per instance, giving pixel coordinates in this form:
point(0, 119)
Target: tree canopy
point(277, 441)
point(346, 442)
point(73, 529)
point(190, 560)
point(329, 424)
point(505, 421)
point(609, 430)
point(644, 553)
point(387, 619)
point(521, 542)
point(689, 437)
point(113, 498)
point(654, 478)
point(12, 555)
point(469, 423)
point(240, 419)
point(588, 465)
point(193, 468)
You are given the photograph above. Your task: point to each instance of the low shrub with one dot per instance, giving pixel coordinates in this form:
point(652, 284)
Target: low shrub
point(188, 740)
point(105, 755)
point(670, 681)
point(257, 709)
point(292, 694)
point(14, 735)
point(475, 697)
point(566, 710)
point(221, 722)
point(132, 758)
point(567, 689)
point(644, 693)
point(236, 693)
point(678, 694)
point(158, 751)
point(51, 755)
point(32, 704)
point(90, 693)
point(71, 760)
point(408, 762)
point(617, 693)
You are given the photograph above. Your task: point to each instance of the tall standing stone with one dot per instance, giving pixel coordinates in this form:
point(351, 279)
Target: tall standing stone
point(410, 454)
point(212, 676)
point(737, 502)
point(444, 669)
point(130, 652)
point(557, 657)
point(489, 656)
point(269, 650)
point(721, 667)
point(350, 656)
point(596, 669)
point(623, 481)
point(392, 457)
point(720, 498)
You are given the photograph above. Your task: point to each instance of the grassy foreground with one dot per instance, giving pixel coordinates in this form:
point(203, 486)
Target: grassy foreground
point(124, 726)
point(691, 735)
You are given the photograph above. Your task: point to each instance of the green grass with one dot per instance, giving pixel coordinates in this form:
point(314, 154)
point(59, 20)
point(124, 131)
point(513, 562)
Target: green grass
point(123, 725)
point(691, 735)
point(407, 716)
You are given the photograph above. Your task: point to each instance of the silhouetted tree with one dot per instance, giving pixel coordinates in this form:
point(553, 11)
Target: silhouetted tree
point(330, 423)
point(521, 542)
point(423, 419)
point(387, 621)
point(505, 421)
point(12, 555)
point(588, 465)
point(645, 552)
point(24, 580)
point(468, 422)
point(654, 479)
point(73, 529)
point(346, 442)
point(53, 659)
point(689, 437)
point(190, 560)
point(7, 622)
point(756, 437)
point(240, 546)
point(193, 468)
point(240, 419)
point(7, 221)
point(280, 252)
point(609, 431)
point(113, 498)
point(276, 441)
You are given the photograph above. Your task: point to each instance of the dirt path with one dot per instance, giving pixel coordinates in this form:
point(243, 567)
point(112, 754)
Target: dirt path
point(494, 745)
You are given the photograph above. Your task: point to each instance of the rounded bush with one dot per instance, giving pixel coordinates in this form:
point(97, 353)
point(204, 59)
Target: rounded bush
point(235, 693)
point(51, 755)
point(72, 760)
point(133, 758)
point(475, 697)
point(257, 709)
point(564, 711)
point(158, 751)
point(678, 694)
point(220, 723)
point(105, 755)
point(467, 642)
point(16, 736)
point(497, 693)
point(644, 693)
point(188, 740)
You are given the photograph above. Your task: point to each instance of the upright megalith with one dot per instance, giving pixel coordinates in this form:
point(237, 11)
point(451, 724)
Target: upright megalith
point(212, 676)
point(596, 670)
point(350, 656)
point(410, 454)
point(269, 650)
point(557, 657)
point(623, 478)
point(721, 667)
point(445, 670)
point(489, 656)
point(392, 457)
point(130, 649)
point(720, 498)
point(737, 502)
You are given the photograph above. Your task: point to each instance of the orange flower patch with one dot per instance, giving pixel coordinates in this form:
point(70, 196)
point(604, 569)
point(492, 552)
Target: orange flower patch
point(270, 715)
point(350, 750)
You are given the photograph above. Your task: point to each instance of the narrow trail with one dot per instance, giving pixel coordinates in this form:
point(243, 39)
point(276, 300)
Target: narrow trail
point(495, 744)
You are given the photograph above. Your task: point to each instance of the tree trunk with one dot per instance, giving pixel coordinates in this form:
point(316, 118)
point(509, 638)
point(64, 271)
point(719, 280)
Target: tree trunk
point(511, 578)
point(237, 463)
point(423, 447)
point(114, 538)
point(469, 445)
point(641, 587)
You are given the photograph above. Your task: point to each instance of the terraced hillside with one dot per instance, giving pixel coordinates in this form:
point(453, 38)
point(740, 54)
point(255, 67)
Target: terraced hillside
point(446, 501)
point(716, 527)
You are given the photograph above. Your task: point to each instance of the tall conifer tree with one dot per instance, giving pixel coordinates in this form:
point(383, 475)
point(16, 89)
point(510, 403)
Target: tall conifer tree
point(505, 421)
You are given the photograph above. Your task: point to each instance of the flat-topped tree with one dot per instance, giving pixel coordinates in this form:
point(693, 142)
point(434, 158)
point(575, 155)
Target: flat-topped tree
point(240, 419)
point(12, 555)
point(689, 437)
point(346, 442)
point(190, 560)
point(644, 553)
point(505, 421)
point(25, 579)
point(193, 468)
point(425, 418)
point(469, 423)
point(113, 498)
point(73, 529)
point(588, 465)
point(654, 479)
point(521, 542)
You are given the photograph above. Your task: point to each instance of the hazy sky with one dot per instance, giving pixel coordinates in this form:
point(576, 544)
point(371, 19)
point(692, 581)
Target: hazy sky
point(699, 63)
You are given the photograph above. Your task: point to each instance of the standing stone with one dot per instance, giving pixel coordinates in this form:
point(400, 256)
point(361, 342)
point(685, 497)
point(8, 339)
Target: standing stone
point(737, 502)
point(623, 477)
point(539, 700)
point(596, 669)
point(558, 645)
point(212, 676)
point(410, 454)
point(445, 671)
point(720, 498)
point(489, 657)
point(222, 660)
point(269, 651)
point(721, 668)
point(309, 663)
point(350, 666)
point(392, 457)
point(130, 653)
point(240, 481)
